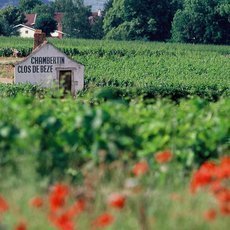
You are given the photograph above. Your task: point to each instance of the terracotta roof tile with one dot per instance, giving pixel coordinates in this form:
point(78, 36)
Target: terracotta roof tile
point(30, 19)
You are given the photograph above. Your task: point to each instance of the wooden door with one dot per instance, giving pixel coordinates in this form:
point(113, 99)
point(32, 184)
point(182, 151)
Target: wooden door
point(65, 80)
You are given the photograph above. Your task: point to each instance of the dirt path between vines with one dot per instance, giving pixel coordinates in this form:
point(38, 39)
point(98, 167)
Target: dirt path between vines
point(6, 80)
point(7, 69)
point(9, 60)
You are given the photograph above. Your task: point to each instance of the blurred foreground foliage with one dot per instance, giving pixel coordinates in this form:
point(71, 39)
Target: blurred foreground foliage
point(62, 135)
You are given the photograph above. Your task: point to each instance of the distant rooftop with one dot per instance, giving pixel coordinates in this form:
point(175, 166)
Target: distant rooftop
point(30, 19)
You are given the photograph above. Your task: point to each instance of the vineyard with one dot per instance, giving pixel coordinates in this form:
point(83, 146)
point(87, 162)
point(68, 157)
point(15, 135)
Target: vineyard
point(144, 146)
point(147, 69)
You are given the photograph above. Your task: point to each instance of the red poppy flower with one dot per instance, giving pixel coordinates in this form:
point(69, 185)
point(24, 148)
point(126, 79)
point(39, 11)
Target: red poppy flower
point(225, 160)
point(225, 209)
point(62, 222)
point(140, 168)
point(210, 215)
point(36, 202)
point(215, 177)
point(223, 196)
point(4, 207)
point(223, 171)
point(60, 190)
point(216, 187)
point(56, 202)
point(116, 200)
point(203, 176)
point(77, 208)
point(58, 196)
point(163, 157)
point(21, 226)
point(103, 220)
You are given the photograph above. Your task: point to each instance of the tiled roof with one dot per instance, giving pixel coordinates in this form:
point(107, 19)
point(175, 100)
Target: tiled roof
point(30, 19)
point(94, 14)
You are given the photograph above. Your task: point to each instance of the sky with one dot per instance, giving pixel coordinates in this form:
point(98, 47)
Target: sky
point(96, 4)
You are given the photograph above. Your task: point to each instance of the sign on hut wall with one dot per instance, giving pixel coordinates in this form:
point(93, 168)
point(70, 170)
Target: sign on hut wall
point(47, 66)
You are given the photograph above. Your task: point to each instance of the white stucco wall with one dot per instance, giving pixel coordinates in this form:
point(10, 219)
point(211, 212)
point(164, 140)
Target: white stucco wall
point(54, 34)
point(43, 65)
point(26, 32)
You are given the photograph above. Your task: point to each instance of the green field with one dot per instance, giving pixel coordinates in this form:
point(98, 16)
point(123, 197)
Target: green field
point(140, 100)
point(146, 69)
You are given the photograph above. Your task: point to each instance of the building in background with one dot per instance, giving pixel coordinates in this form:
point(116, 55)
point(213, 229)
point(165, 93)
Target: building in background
point(27, 29)
point(48, 67)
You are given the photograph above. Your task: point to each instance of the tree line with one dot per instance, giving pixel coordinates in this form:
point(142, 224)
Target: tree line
point(75, 19)
point(193, 21)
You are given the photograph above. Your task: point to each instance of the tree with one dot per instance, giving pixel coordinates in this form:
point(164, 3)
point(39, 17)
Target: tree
point(10, 17)
point(2, 27)
point(46, 23)
point(44, 9)
point(45, 18)
point(139, 19)
point(202, 21)
point(97, 29)
point(59, 5)
point(108, 4)
point(75, 21)
point(27, 6)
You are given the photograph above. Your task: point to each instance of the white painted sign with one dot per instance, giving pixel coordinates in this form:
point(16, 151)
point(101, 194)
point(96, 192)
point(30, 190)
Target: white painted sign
point(47, 66)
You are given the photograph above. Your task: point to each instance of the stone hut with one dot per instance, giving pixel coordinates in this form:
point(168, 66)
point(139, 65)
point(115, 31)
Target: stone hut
point(47, 66)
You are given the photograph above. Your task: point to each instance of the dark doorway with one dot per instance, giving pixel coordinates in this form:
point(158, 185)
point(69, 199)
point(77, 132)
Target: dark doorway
point(65, 80)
